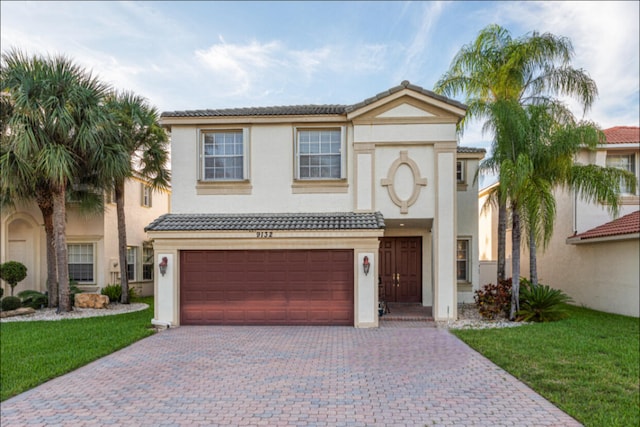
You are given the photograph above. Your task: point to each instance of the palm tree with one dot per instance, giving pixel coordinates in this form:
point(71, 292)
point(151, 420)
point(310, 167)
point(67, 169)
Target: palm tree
point(56, 130)
point(140, 135)
point(529, 70)
point(554, 139)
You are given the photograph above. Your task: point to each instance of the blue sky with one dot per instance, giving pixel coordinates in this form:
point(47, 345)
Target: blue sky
point(192, 55)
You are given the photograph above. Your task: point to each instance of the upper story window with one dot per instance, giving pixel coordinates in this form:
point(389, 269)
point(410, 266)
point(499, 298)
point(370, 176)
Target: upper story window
point(146, 196)
point(320, 154)
point(626, 162)
point(460, 172)
point(224, 155)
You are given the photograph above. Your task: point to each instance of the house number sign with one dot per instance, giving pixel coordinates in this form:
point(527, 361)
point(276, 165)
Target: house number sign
point(264, 234)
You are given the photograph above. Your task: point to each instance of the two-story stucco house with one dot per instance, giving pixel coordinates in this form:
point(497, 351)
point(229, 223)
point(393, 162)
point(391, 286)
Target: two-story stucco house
point(591, 256)
point(301, 214)
point(92, 241)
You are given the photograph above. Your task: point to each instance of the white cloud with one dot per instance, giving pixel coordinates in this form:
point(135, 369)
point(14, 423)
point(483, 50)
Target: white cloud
point(605, 37)
point(416, 52)
point(256, 68)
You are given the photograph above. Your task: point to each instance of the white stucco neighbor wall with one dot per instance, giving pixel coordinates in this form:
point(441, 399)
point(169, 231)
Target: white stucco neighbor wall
point(604, 276)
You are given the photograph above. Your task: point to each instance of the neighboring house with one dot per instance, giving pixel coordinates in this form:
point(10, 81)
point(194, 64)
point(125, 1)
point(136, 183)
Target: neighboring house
point(592, 256)
point(92, 241)
point(305, 214)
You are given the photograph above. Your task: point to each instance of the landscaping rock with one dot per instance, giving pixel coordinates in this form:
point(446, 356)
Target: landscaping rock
point(91, 301)
point(17, 312)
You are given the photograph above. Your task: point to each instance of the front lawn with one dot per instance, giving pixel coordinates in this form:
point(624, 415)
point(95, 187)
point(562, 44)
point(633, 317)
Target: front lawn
point(587, 365)
point(34, 352)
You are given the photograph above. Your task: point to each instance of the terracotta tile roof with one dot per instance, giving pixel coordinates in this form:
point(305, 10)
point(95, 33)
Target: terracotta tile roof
point(282, 221)
point(628, 224)
point(305, 110)
point(622, 135)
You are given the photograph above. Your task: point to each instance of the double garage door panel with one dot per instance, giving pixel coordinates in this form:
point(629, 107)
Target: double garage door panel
point(312, 287)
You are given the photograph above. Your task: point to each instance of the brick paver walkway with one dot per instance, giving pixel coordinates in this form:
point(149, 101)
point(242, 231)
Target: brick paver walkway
point(303, 376)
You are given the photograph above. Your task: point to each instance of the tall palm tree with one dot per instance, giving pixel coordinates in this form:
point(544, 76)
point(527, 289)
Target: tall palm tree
point(56, 130)
point(139, 134)
point(529, 70)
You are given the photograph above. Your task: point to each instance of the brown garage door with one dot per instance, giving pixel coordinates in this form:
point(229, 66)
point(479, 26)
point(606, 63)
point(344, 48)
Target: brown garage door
point(284, 287)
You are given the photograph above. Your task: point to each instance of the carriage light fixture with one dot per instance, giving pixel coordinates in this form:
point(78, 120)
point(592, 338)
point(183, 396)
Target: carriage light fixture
point(366, 265)
point(163, 265)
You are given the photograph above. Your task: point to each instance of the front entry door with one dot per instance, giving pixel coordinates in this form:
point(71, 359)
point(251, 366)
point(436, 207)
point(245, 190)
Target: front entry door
point(401, 269)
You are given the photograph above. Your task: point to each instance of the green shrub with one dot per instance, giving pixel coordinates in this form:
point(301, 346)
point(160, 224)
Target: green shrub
point(73, 290)
point(11, 303)
point(494, 300)
point(33, 299)
point(541, 303)
point(1, 292)
point(114, 292)
point(13, 272)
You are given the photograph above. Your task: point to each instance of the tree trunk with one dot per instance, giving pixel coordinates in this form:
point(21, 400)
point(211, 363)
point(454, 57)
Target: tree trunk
point(533, 264)
point(45, 203)
point(52, 280)
point(502, 238)
point(60, 243)
point(515, 263)
point(122, 242)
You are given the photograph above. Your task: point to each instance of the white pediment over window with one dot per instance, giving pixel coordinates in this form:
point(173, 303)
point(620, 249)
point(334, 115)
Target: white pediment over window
point(405, 110)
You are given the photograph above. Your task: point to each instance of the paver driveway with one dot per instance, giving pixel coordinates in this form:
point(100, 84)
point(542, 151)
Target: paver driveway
point(306, 376)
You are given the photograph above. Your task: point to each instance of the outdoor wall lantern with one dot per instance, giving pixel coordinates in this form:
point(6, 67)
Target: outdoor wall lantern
point(366, 265)
point(163, 265)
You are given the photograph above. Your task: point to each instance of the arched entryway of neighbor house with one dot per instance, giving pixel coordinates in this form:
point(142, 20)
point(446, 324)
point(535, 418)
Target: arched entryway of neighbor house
point(400, 269)
point(23, 245)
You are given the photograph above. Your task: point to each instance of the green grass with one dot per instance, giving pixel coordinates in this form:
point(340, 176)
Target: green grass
point(588, 365)
point(34, 352)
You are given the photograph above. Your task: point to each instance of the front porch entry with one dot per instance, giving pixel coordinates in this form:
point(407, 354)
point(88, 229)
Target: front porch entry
point(400, 269)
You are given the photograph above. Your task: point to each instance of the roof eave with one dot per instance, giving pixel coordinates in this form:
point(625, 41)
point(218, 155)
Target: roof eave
point(577, 240)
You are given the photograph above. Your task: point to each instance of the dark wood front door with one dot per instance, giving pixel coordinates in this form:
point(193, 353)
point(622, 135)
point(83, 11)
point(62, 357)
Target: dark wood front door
point(401, 269)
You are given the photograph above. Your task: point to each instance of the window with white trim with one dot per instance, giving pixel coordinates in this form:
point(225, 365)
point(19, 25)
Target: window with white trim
point(147, 263)
point(146, 195)
point(460, 172)
point(626, 162)
point(131, 262)
point(462, 260)
point(81, 262)
point(224, 155)
point(320, 154)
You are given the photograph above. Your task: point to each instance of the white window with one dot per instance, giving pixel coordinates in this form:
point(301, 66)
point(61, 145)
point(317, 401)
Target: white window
point(131, 263)
point(462, 260)
point(460, 172)
point(320, 154)
point(81, 262)
point(147, 263)
point(224, 155)
point(625, 162)
point(146, 195)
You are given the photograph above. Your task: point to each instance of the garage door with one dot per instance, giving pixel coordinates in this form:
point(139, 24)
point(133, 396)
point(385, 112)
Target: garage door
point(282, 287)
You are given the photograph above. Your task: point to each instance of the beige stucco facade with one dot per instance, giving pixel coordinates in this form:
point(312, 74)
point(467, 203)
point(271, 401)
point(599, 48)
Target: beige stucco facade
point(22, 239)
point(398, 158)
